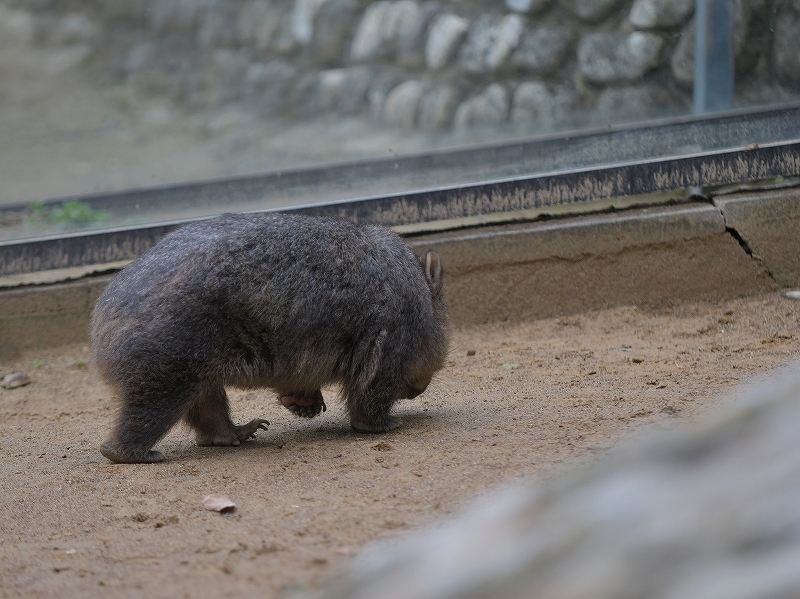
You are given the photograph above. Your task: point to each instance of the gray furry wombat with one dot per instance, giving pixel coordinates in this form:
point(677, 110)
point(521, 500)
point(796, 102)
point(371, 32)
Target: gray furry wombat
point(266, 300)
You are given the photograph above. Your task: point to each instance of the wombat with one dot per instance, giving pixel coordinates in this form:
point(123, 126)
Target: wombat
point(266, 300)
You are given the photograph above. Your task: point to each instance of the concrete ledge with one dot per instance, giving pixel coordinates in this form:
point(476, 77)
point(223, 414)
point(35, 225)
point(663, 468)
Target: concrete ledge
point(769, 224)
point(522, 271)
point(647, 256)
point(47, 315)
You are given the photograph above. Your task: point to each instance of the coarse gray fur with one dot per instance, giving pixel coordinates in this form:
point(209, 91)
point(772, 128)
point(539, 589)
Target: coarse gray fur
point(288, 302)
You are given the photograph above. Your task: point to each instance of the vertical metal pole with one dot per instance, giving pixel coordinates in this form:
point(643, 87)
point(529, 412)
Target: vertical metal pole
point(713, 56)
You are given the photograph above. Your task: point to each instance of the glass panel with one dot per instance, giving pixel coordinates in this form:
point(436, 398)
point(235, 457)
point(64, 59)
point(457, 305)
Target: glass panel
point(99, 96)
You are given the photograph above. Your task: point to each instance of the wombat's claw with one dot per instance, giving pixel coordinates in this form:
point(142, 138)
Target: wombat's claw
point(248, 431)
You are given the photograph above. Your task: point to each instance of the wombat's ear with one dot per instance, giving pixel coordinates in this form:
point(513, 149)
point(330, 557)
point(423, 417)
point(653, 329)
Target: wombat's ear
point(433, 271)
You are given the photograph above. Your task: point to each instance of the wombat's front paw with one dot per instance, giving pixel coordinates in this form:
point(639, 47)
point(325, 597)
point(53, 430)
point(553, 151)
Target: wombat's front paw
point(306, 406)
point(146, 456)
point(247, 431)
point(385, 426)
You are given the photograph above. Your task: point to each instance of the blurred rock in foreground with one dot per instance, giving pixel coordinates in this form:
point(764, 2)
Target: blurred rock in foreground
point(708, 513)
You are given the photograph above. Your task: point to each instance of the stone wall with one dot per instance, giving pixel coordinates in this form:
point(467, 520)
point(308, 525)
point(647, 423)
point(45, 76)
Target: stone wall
point(530, 65)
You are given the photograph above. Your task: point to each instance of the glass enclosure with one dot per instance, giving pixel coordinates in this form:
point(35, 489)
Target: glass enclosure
point(102, 96)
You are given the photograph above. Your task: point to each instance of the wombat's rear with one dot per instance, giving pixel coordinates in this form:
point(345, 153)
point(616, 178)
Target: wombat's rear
point(261, 300)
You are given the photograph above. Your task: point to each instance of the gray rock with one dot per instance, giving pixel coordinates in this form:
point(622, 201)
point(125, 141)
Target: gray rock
point(527, 6)
point(383, 83)
point(302, 20)
point(402, 104)
point(257, 24)
point(651, 14)
point(786, 56)
point(542, 50)
point(590, 10)
point(412, 41)
point(490, 42)
point(268, 86)
point(487, 108)
point(342, 90)
point(615, 57)
point(712, 512)
point(543, 107)
point(381, 28)
point(437, 107)
point(445, 35)
point(635, 103)
point(334, 26)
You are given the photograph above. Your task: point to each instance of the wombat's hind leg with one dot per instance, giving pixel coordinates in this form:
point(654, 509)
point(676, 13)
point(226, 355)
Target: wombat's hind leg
point(304, 404)
point(209, 416)
point(142, 421)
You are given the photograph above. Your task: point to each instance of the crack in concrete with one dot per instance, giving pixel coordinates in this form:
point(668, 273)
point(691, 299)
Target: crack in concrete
point(742, 241)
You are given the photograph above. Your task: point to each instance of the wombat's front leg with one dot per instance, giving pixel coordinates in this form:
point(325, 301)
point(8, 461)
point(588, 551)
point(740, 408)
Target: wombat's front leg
point(369, 411)
point(210, 418)
point(306, 405)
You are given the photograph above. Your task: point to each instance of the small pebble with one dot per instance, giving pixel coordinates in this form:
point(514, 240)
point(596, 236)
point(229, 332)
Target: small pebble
point(792, 294)
point(470, 352)
point(217, 502)
point(14, 380)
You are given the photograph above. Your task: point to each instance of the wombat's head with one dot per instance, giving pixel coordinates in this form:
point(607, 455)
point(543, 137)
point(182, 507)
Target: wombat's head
point(433, 346)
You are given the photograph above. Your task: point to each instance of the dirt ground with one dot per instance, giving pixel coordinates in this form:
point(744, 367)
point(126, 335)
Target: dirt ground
point(533, 399)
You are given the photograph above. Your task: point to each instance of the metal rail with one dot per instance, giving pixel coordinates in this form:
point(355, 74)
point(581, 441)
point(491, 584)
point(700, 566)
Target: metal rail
point(517, 183)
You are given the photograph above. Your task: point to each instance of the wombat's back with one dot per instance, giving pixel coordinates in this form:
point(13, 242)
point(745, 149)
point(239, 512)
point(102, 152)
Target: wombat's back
point(258, 294)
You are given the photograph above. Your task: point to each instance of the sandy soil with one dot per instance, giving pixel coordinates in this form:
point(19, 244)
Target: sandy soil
point(533, 399)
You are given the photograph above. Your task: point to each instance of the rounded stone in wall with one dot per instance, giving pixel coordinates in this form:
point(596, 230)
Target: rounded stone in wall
point(542, 106)
point(342, 90)
point(487, 108)
point(618, 57)
point(635, 103)
point(411, 44)
point(384, 23)
point(437, 107)
point(542, 50)
point(402, 104)
point(302, 20)
point(445, 35)
point(333, 28)
point(651, 14)
point(490, 42)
